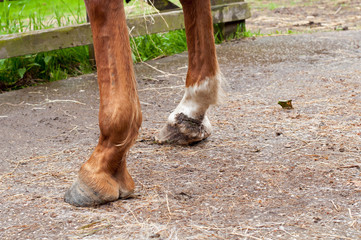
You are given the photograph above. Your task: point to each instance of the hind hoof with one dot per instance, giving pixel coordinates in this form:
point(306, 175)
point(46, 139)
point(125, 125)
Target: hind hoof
point(184, 131)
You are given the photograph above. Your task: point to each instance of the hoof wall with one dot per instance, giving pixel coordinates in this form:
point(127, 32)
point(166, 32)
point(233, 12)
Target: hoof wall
point(80, 195)
point(184, 131)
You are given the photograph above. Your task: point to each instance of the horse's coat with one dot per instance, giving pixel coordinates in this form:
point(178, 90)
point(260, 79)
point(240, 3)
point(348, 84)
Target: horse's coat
point(104, 177)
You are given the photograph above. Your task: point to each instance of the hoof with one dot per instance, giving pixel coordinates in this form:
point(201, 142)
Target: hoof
point(81, 195)
point(184, 131)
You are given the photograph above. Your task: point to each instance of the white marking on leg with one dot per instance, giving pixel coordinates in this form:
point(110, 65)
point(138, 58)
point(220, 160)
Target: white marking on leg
point(198, 98)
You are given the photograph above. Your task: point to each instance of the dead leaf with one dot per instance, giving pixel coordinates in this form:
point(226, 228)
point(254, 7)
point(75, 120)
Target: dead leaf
point(286, 104)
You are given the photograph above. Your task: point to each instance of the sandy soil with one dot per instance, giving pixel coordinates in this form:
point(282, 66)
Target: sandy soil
point(297, 16)
point(265, 173)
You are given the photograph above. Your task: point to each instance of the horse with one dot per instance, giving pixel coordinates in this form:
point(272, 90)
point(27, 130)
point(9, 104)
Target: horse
point(104, 176)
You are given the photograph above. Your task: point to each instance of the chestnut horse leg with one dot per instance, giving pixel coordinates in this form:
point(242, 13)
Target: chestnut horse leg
point(188, 123)
point(104, 177)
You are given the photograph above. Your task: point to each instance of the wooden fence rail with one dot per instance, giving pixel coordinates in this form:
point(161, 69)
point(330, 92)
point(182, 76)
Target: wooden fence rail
point(13, 45)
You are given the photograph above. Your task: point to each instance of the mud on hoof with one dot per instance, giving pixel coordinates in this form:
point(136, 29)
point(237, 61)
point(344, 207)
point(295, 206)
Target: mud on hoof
point(81, 195)
point(184, 131)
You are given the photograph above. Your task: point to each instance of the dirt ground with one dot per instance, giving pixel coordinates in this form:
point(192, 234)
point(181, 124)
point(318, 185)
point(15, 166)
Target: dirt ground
point(297, 16)
point(265, 172)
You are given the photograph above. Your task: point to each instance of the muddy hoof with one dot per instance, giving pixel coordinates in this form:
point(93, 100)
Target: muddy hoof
point(81, 195)
point(184, 131)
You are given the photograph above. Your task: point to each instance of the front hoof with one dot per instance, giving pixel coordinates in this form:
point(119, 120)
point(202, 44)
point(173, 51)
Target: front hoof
point(81, 195)
point(184, 131)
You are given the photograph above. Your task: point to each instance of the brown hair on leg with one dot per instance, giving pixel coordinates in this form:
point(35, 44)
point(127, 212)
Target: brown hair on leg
point(202, 59)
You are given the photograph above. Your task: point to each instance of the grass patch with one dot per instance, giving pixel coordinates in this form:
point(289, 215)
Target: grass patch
point(28, 70)
point(157, 45)
point(22, 16)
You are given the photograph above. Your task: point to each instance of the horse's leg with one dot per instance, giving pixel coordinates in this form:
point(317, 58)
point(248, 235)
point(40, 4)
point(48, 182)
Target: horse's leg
point(104, 177)
point(188, 123)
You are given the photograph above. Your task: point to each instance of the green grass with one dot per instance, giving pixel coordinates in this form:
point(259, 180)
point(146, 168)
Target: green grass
point(27, 15)
point(155, 45)
point(43, 67)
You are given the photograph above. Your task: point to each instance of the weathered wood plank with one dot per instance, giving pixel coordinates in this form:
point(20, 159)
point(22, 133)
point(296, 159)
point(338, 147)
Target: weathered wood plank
point(46, 40)
point(230, 12)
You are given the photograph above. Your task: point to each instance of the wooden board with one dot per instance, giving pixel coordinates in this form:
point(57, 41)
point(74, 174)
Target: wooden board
point(78, 35)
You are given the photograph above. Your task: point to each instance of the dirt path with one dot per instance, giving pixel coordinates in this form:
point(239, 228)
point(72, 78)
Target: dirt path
point(304, 16)
point(265, 173)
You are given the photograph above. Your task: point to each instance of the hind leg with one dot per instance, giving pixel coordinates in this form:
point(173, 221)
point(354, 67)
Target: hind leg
point(188, 123)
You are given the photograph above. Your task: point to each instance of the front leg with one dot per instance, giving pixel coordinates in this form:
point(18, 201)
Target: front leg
point(104, 177)
point(188, 123)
